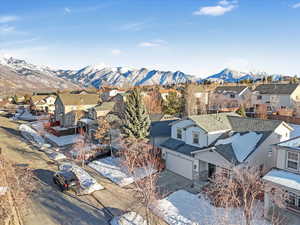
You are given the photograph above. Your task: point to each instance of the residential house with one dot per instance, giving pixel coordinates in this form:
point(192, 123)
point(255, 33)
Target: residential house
point(285, 174)
point(203, 144)
point(202, 97)
point(230, 97)
point(107, 94)
point(276, 96)
point(90, 122)
point(43, 103)
point(160, 131)
point(69, 108)
point(165, 92)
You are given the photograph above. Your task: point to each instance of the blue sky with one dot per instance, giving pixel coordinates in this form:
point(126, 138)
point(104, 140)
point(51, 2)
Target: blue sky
point(199, 37)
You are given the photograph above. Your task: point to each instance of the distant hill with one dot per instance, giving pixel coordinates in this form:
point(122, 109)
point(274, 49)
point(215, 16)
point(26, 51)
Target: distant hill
point(18, 76)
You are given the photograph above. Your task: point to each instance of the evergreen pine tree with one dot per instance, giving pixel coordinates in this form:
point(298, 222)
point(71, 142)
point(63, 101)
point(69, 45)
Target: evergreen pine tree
point(173, 104)
point(136, 118)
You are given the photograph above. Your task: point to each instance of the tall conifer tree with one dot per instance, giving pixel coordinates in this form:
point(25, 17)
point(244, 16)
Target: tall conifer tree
point(136, 118)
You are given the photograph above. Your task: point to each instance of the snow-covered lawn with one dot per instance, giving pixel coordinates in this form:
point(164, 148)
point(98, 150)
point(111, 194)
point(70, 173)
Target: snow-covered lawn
point(184, 208)
point(63, 140)
point(130, 218)
point(111, 168)
point(296, 132)
point(31, 134)
point(59, 141)
point(87, 183)
point(27, 116)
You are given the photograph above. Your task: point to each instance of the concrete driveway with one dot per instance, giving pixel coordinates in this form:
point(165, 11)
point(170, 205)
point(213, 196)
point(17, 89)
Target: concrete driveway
point(170, 182)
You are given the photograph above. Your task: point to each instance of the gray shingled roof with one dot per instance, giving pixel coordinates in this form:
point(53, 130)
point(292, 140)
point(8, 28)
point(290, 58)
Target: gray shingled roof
point(281, 89)
point(179, 146)
point(230, 89)
point(161, 128)
point(213, 122)
point(241, 124)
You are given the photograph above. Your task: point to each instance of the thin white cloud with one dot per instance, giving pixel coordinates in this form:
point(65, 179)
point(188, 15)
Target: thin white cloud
point(7, 19)
point(154, 43)
point(224, 6)
point(67, 10)
point(116, 52)
point(296, 5)
point(18, 42)
point(224, 2)
point(7, 29)
point(133, 26)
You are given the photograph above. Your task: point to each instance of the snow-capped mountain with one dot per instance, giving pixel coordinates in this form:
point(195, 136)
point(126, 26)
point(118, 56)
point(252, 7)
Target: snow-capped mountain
point(231, 76)
point(19, 76)
point(99, 75)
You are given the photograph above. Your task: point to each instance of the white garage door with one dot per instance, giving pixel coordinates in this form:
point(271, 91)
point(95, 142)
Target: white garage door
point(179, 165)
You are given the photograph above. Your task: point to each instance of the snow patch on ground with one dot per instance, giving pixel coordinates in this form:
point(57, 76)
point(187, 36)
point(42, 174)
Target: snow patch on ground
point(184, 208)
point(111, 168)
point(130, 218)
point(31, 135)
point(87, 183)
point(63, 140)
point(242, 145)
point(284, 178)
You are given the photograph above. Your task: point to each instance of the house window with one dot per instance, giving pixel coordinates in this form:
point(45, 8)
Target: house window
point(232, 95)
point(259, 97)
point(292, 160)
point(195, 138)
point(179, 133)
point(293, 201)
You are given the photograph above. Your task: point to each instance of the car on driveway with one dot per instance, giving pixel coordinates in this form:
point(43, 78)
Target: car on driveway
point(66, 180)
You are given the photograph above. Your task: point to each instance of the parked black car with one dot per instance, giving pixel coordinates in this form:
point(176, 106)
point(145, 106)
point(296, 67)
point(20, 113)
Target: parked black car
point(66, 180)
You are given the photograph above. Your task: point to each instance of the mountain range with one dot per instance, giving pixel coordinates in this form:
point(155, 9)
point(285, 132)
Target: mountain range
point(19, 75)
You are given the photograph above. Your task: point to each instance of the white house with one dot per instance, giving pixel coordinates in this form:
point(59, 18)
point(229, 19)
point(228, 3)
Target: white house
point(230, 97)
point(200, 145)
point(276, 96)
point(285, 174)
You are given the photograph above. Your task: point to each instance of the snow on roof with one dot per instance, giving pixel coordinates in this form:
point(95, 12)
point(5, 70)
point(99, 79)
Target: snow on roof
point(242, 145)
point(284, 178)
point(296, 131)
point(291, 143)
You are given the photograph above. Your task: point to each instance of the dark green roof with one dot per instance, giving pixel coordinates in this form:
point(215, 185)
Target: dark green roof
point(279, 89)
point(230, 89)
point(79, 99)
point(213, 122)
point(241, 124)
point(234, 122)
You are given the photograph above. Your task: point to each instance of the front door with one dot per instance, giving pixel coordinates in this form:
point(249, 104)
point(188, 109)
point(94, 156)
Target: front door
point(211, 170)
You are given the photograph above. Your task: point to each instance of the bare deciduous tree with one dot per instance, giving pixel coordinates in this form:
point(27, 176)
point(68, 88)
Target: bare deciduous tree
point(137, 156)
point(243, 188)
point(153, 101)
